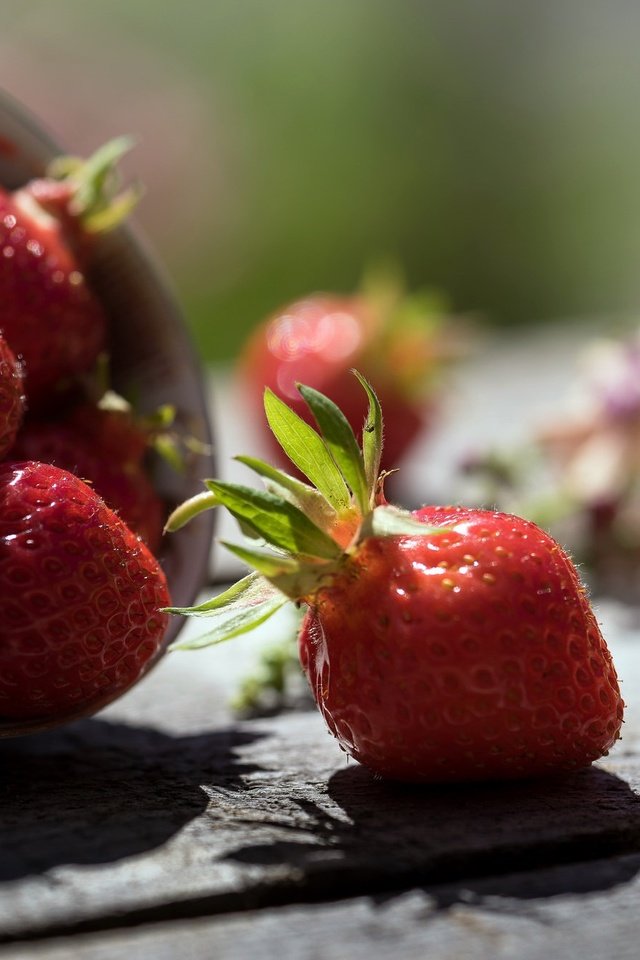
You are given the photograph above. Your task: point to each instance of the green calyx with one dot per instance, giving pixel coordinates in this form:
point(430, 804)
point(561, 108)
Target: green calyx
point(298, 535)
point(96, 200)
point(414, 339)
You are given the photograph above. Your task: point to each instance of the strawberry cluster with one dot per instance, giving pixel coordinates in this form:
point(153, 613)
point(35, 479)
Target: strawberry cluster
point(81, 590)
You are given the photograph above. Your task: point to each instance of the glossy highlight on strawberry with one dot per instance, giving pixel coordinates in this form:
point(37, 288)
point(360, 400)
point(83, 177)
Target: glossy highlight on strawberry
point(440, 645)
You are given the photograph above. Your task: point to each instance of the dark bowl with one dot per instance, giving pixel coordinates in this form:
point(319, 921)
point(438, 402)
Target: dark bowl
point(152, 357)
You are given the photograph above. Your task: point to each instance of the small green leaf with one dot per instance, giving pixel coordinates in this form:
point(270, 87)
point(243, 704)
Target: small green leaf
point(277, 667)
point(189, 509)
point(92, 175)
point(245, 605)
point(250, 591)
point(162, 418)
point(340, 439)
point(296, 580)
point(274, 519)
point(116, 213)
point(307, 450)
point(302, 495)
point(392, 522)
point(95, 182)
point(269, 564)
point(371, 438)
point(167, 447)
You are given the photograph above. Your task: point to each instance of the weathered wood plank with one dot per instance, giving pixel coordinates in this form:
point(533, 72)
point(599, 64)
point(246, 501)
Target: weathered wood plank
point(164, 805)
point(562, 912)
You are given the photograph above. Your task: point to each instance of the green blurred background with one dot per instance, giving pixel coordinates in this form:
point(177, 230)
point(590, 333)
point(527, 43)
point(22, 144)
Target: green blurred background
point(493, 148)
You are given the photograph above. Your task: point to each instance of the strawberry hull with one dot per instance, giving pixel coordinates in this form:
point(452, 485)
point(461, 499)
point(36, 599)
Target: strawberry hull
point(467, 655)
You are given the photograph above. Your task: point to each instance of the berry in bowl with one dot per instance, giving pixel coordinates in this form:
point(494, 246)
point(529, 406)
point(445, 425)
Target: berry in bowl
point(104, 429)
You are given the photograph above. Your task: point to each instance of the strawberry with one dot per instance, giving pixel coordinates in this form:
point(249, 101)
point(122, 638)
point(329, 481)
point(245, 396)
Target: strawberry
point(80, 599)
point(51, 317)
point(440, 645)
point(104, 446)
point(401, 344)
point(12, 399)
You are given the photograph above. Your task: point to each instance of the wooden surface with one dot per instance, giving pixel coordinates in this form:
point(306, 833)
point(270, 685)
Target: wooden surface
point(166, 827)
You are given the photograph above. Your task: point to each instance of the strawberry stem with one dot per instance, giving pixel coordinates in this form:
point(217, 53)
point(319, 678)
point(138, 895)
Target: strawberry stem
point(93, 198)
point(189, 509)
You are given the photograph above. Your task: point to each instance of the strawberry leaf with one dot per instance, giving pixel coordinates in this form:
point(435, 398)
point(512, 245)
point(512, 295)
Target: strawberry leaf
point(340, 439)
point(239, 609)
point(95, 182)
point(269, 564)
point(387, 521)
point(306, 449)
point(278, 522)
point(307, 498)
point(167, 447)
point(371, 439)
point(295, 580)
point(251, 590)
point(116, 213)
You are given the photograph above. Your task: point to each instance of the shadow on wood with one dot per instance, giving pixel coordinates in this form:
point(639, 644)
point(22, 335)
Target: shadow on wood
point(378, 836)
point(95, 791)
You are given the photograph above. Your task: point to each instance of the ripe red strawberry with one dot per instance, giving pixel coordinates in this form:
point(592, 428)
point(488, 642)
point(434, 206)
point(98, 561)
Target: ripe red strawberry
point(476, 654)
point(80, 599)
point(50, 316)
point(448, 644)
point(400, 344)
point(106, 448)
point(12, 399)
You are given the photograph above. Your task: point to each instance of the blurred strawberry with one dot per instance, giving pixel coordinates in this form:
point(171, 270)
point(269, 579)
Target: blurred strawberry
point(401, 344)
point(51, 318)
point(12, 400)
